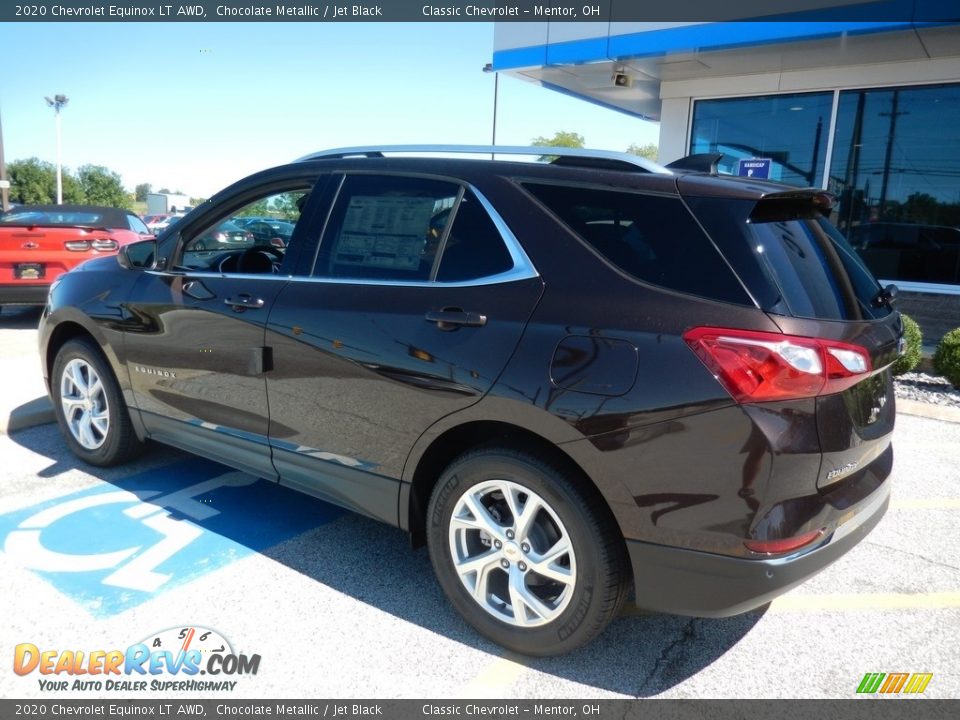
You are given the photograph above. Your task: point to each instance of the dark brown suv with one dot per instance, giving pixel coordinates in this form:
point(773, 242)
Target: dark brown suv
point(576, 381)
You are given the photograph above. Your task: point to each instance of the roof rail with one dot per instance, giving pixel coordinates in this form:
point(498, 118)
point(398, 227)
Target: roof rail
point(607, 159)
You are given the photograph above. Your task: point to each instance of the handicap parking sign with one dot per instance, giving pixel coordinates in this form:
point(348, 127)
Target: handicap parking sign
point(754, 168)
point(119, 544)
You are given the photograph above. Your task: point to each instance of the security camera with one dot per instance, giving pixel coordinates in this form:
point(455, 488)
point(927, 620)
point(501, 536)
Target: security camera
point(622, 80)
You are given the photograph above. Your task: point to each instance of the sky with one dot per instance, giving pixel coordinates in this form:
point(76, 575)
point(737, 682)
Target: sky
point(195, 107)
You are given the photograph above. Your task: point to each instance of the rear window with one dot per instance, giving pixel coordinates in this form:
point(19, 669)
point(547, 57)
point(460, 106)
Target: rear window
point(33, 217)
point(791, 258)
point(650, 237)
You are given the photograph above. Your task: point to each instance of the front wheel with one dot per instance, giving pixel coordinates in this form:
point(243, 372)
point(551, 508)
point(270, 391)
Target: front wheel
point(529, 556)
point(89, 406)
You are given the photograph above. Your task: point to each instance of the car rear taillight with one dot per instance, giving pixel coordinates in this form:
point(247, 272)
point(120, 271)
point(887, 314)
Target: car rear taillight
point(761, 366)
point(77, 245)
point(105, 245)
point(778, 547)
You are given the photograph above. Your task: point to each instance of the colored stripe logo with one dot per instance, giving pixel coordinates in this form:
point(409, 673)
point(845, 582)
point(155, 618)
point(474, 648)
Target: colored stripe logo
point(894, 683)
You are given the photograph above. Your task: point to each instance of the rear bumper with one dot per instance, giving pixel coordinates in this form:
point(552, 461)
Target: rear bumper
point(687, 582)
point(24, 294)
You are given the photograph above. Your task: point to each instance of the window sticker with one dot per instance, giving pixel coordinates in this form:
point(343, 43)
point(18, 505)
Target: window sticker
point(384, 232)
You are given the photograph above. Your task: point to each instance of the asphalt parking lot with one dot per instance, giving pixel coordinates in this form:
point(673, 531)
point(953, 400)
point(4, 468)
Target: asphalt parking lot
point(337, 605)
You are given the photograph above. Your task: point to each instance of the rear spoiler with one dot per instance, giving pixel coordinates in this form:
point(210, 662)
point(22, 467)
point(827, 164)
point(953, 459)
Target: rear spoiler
point(792, 204)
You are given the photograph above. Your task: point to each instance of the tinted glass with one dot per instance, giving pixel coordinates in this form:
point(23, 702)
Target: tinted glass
point(652, 238)
point(386, 228)
point(474, 247)
point(896, 169)
point(791, 130)
point(793, 260)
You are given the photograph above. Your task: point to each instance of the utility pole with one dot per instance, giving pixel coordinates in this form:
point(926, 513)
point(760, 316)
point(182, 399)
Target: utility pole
point(888, 156)
point(58, 102)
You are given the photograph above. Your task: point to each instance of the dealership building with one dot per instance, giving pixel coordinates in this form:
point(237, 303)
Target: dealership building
point(868, 110)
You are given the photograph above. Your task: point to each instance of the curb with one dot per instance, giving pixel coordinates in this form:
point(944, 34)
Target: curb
point(926, 410)
point(38, 411)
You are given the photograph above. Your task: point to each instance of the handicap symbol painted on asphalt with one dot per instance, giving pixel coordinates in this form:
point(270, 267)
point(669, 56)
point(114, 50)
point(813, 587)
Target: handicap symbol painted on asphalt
point(117, 545)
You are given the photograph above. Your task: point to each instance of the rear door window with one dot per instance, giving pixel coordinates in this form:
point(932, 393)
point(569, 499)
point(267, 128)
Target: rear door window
point(653, 238)
point(410, 229)
point(386, 228)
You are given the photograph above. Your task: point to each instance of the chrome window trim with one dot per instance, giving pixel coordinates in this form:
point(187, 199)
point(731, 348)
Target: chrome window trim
point(498, 279)
point(523, 268)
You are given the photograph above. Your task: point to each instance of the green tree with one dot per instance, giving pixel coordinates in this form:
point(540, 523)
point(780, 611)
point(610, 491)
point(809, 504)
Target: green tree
point(650, 151)
point(103, 187)
point(286, 205)
point(34, 182)
point(141, 191)
point(561, 138)
point(261, 208)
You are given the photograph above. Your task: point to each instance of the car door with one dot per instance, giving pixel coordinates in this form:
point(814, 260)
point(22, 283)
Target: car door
point(418, 296)
point(194, 341)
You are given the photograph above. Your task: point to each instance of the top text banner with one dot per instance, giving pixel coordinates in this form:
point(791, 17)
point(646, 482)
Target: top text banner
point(870, 12)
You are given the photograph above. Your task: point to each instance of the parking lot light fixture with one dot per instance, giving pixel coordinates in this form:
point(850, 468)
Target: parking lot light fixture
point(58, 102)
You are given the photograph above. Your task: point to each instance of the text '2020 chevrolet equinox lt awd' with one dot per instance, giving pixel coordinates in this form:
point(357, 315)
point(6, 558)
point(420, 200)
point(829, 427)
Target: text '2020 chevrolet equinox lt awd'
point(575, 381)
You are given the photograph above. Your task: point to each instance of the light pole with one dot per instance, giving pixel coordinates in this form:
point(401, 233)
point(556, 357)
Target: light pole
point(4, 183)
point(58, 102)
point(488, 68)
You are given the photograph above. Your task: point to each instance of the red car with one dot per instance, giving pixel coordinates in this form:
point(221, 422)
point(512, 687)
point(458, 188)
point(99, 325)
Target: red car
point(40, 242)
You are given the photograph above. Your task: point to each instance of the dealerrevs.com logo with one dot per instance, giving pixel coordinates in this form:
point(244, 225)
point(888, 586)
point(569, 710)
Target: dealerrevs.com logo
point(170, 660)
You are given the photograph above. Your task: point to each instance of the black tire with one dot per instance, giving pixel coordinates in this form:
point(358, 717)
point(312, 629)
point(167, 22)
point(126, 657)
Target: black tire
point(117, 442)
point(578, 610)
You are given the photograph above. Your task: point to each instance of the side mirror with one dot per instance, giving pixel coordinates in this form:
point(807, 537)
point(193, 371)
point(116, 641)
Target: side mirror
point(138, 256)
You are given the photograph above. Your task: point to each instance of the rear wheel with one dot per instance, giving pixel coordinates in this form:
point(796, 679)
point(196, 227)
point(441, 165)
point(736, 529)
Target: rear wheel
point(530, 558)
point(89, 407)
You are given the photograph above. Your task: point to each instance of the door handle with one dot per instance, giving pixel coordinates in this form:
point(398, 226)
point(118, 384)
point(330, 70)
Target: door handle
point(243, 302)
point(453, 318)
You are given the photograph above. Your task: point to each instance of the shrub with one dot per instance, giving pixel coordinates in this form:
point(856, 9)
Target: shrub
point(914, 345)
point(946, 360)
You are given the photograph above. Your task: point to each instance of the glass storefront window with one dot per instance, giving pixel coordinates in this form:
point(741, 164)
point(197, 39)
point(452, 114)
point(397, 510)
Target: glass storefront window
point(896, 170)
point(791, 130)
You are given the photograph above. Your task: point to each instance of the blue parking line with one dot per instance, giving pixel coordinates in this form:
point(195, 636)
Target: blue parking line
point(117, 545)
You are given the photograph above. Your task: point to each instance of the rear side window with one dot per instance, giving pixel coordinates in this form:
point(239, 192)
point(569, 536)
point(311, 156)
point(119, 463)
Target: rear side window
point(653, 238)
point(791, 258)
point(474, 247)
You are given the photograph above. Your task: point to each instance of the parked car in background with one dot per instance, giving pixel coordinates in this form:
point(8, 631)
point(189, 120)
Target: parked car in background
point(159, 223)
point(575, 382)
point(166, 222)
point(225, 236)
point(909, 252)
point(269, 232)
point(38, 243)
